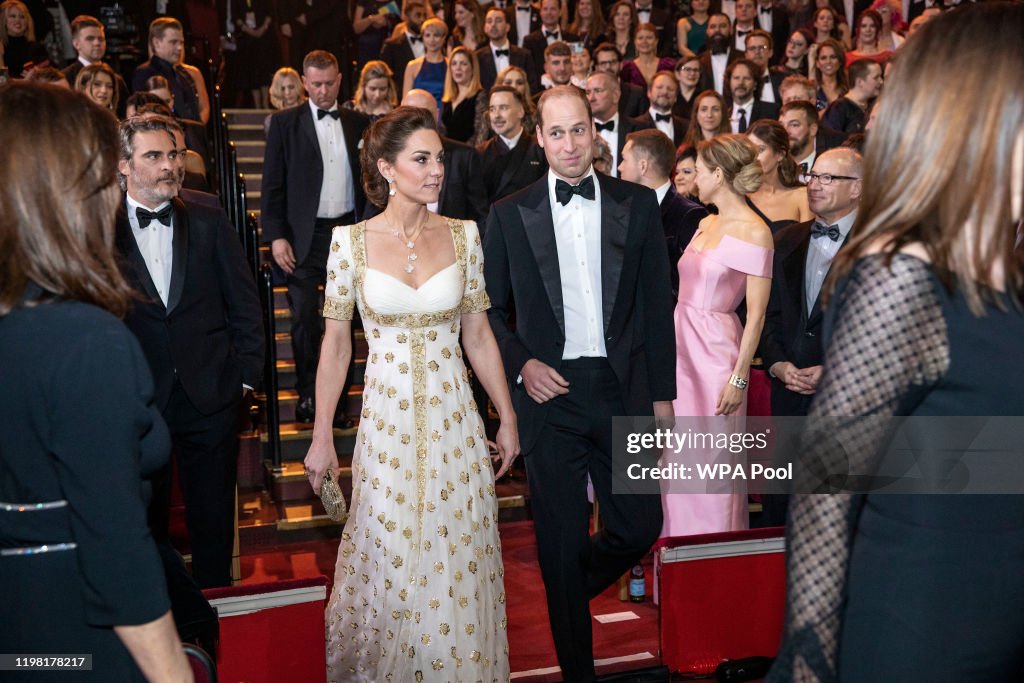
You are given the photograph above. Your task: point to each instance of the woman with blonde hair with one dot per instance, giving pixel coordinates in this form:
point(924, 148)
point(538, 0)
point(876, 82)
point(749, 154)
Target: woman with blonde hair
point(17, 36)
point(461, 91)
point(728, 260)
point(375, 93)
point(99, 84)
point(429, 71)
point(707, 119)
point(286, 90)
point(80, 570)
point(924, 319)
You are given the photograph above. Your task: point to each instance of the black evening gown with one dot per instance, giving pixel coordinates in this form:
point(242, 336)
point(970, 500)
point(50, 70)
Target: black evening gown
point(908, 587)
point(80, 433)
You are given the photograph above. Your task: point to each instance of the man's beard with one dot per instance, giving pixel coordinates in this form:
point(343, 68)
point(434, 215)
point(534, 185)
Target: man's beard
point(719, 44)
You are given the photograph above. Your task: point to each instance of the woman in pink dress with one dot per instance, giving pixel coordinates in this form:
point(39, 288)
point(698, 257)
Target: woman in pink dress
point(729, 259)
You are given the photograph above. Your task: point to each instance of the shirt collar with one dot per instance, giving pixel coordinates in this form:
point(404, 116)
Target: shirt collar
point(662, 191)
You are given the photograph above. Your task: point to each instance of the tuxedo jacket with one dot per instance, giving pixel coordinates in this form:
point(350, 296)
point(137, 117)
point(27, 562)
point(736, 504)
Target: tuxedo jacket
point(513, 30)
point(680, 217)
point(633, 100)
point(506, 172)
point(293, 172)
point(522, 263)
point(791, 332)
point(210, 334)
point(536, 43)
point(679, 125)
point(517, 57)
point(463, 194)
point(397, 53)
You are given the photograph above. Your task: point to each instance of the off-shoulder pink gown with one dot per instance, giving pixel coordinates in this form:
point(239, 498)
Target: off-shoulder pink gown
point(712, 283)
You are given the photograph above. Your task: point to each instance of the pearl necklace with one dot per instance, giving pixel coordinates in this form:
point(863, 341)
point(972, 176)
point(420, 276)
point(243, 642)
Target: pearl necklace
point(409, 242)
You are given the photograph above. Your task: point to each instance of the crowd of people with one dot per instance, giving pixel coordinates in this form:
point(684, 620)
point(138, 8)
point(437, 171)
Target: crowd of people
point(662, 227)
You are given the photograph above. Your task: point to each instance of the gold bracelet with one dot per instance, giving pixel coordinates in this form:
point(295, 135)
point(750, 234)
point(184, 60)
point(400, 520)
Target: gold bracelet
point(738, 382)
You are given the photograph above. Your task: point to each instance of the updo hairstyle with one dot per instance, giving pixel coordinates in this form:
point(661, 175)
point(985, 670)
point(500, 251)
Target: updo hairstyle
point(385, 140)
point(737, 157)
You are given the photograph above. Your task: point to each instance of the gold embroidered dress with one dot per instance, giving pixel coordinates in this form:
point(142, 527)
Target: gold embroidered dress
point(418, 589)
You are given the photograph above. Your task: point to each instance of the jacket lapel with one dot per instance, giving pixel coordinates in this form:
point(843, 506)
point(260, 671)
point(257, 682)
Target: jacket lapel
point(540, 233)
point(614, 228)
point(179, 250)
point(129, 248)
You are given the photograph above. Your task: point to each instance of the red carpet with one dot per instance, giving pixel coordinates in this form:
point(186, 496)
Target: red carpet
point(529, 636)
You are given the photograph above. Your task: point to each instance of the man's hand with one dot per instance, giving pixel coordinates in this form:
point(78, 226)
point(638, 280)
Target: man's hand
point(541, 381)
point(281, 249)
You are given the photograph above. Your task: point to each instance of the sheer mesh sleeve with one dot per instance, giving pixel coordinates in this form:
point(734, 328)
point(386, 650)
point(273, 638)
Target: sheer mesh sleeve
point(339, 296)
point(474, 298)
point(888, 347)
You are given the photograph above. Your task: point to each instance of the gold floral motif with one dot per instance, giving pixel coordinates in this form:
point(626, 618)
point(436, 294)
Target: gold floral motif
point(338, 309)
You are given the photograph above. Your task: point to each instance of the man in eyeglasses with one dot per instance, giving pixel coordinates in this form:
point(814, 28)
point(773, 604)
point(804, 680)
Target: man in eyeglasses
point(791, 341)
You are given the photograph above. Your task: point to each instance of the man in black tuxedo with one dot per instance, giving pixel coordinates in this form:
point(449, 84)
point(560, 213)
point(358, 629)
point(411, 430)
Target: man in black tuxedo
point(791, 341)
point(633, 100)
point(200, 325)
point(583, 257)
point(511, 159)
point(718, 54)
point(662, 92)
point(89, 38)
point(550, 31)
point(741, 78)
point(311, 183)
point(397, 52)
point(523, 19)
point(603, 94)
point(647, 160)
point(500, 53)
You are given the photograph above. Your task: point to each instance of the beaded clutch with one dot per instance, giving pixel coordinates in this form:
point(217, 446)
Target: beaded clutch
point(330, 496)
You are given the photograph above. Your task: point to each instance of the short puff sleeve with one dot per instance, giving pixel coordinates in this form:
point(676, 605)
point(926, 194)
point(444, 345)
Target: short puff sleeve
point(339, 291)
point(474, 297)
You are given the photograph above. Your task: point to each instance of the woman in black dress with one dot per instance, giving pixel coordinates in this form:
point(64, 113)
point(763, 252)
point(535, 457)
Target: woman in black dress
point(926, 322)
point(79, 570)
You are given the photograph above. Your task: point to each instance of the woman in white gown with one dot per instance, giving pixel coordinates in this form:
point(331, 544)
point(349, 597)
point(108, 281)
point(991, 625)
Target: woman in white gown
point(418, 588)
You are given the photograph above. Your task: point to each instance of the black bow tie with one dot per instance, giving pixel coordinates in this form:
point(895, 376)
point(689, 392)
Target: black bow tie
point(501, 53)
point(551, 34)
point(607, 125)
point(658, 118)
point(564, 191)
point(415, 39)
point(334, 114)
point(822, 230)
point(146, 216)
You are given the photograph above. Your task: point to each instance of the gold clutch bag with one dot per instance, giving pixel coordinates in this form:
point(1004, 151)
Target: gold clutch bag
point(330, 496)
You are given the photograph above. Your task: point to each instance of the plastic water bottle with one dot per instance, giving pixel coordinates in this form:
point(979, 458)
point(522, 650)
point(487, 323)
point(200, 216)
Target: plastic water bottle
point(637, 587)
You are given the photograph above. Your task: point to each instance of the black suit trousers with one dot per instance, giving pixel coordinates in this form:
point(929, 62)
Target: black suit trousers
point(206, 450)
point(576, 441)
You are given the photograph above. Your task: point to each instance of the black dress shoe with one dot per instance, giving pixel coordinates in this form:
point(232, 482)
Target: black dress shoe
point(305, 411)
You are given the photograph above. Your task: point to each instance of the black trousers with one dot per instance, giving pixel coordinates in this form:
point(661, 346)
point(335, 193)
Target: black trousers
point(206, 449)
point(576, 441)
point(304, 299)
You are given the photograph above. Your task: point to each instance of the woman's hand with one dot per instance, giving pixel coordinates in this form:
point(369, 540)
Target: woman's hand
point(729, 400)
point(320, 458)
point(505, 447)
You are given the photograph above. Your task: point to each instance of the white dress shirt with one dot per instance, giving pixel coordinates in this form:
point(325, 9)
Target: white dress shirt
point(719, 63)
point(664, 126)
point(734, 118)
point(337, 192)
point(417, 45)
point(578, 241)
point(820, 253)
point(612, 138)
point(500, 63)
point(156, 242)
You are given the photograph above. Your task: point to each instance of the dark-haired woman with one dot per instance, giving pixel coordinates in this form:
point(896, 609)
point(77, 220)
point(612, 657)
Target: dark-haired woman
point(782, 198)
point(924, 324)
point(422, 537)
point(79, 569)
